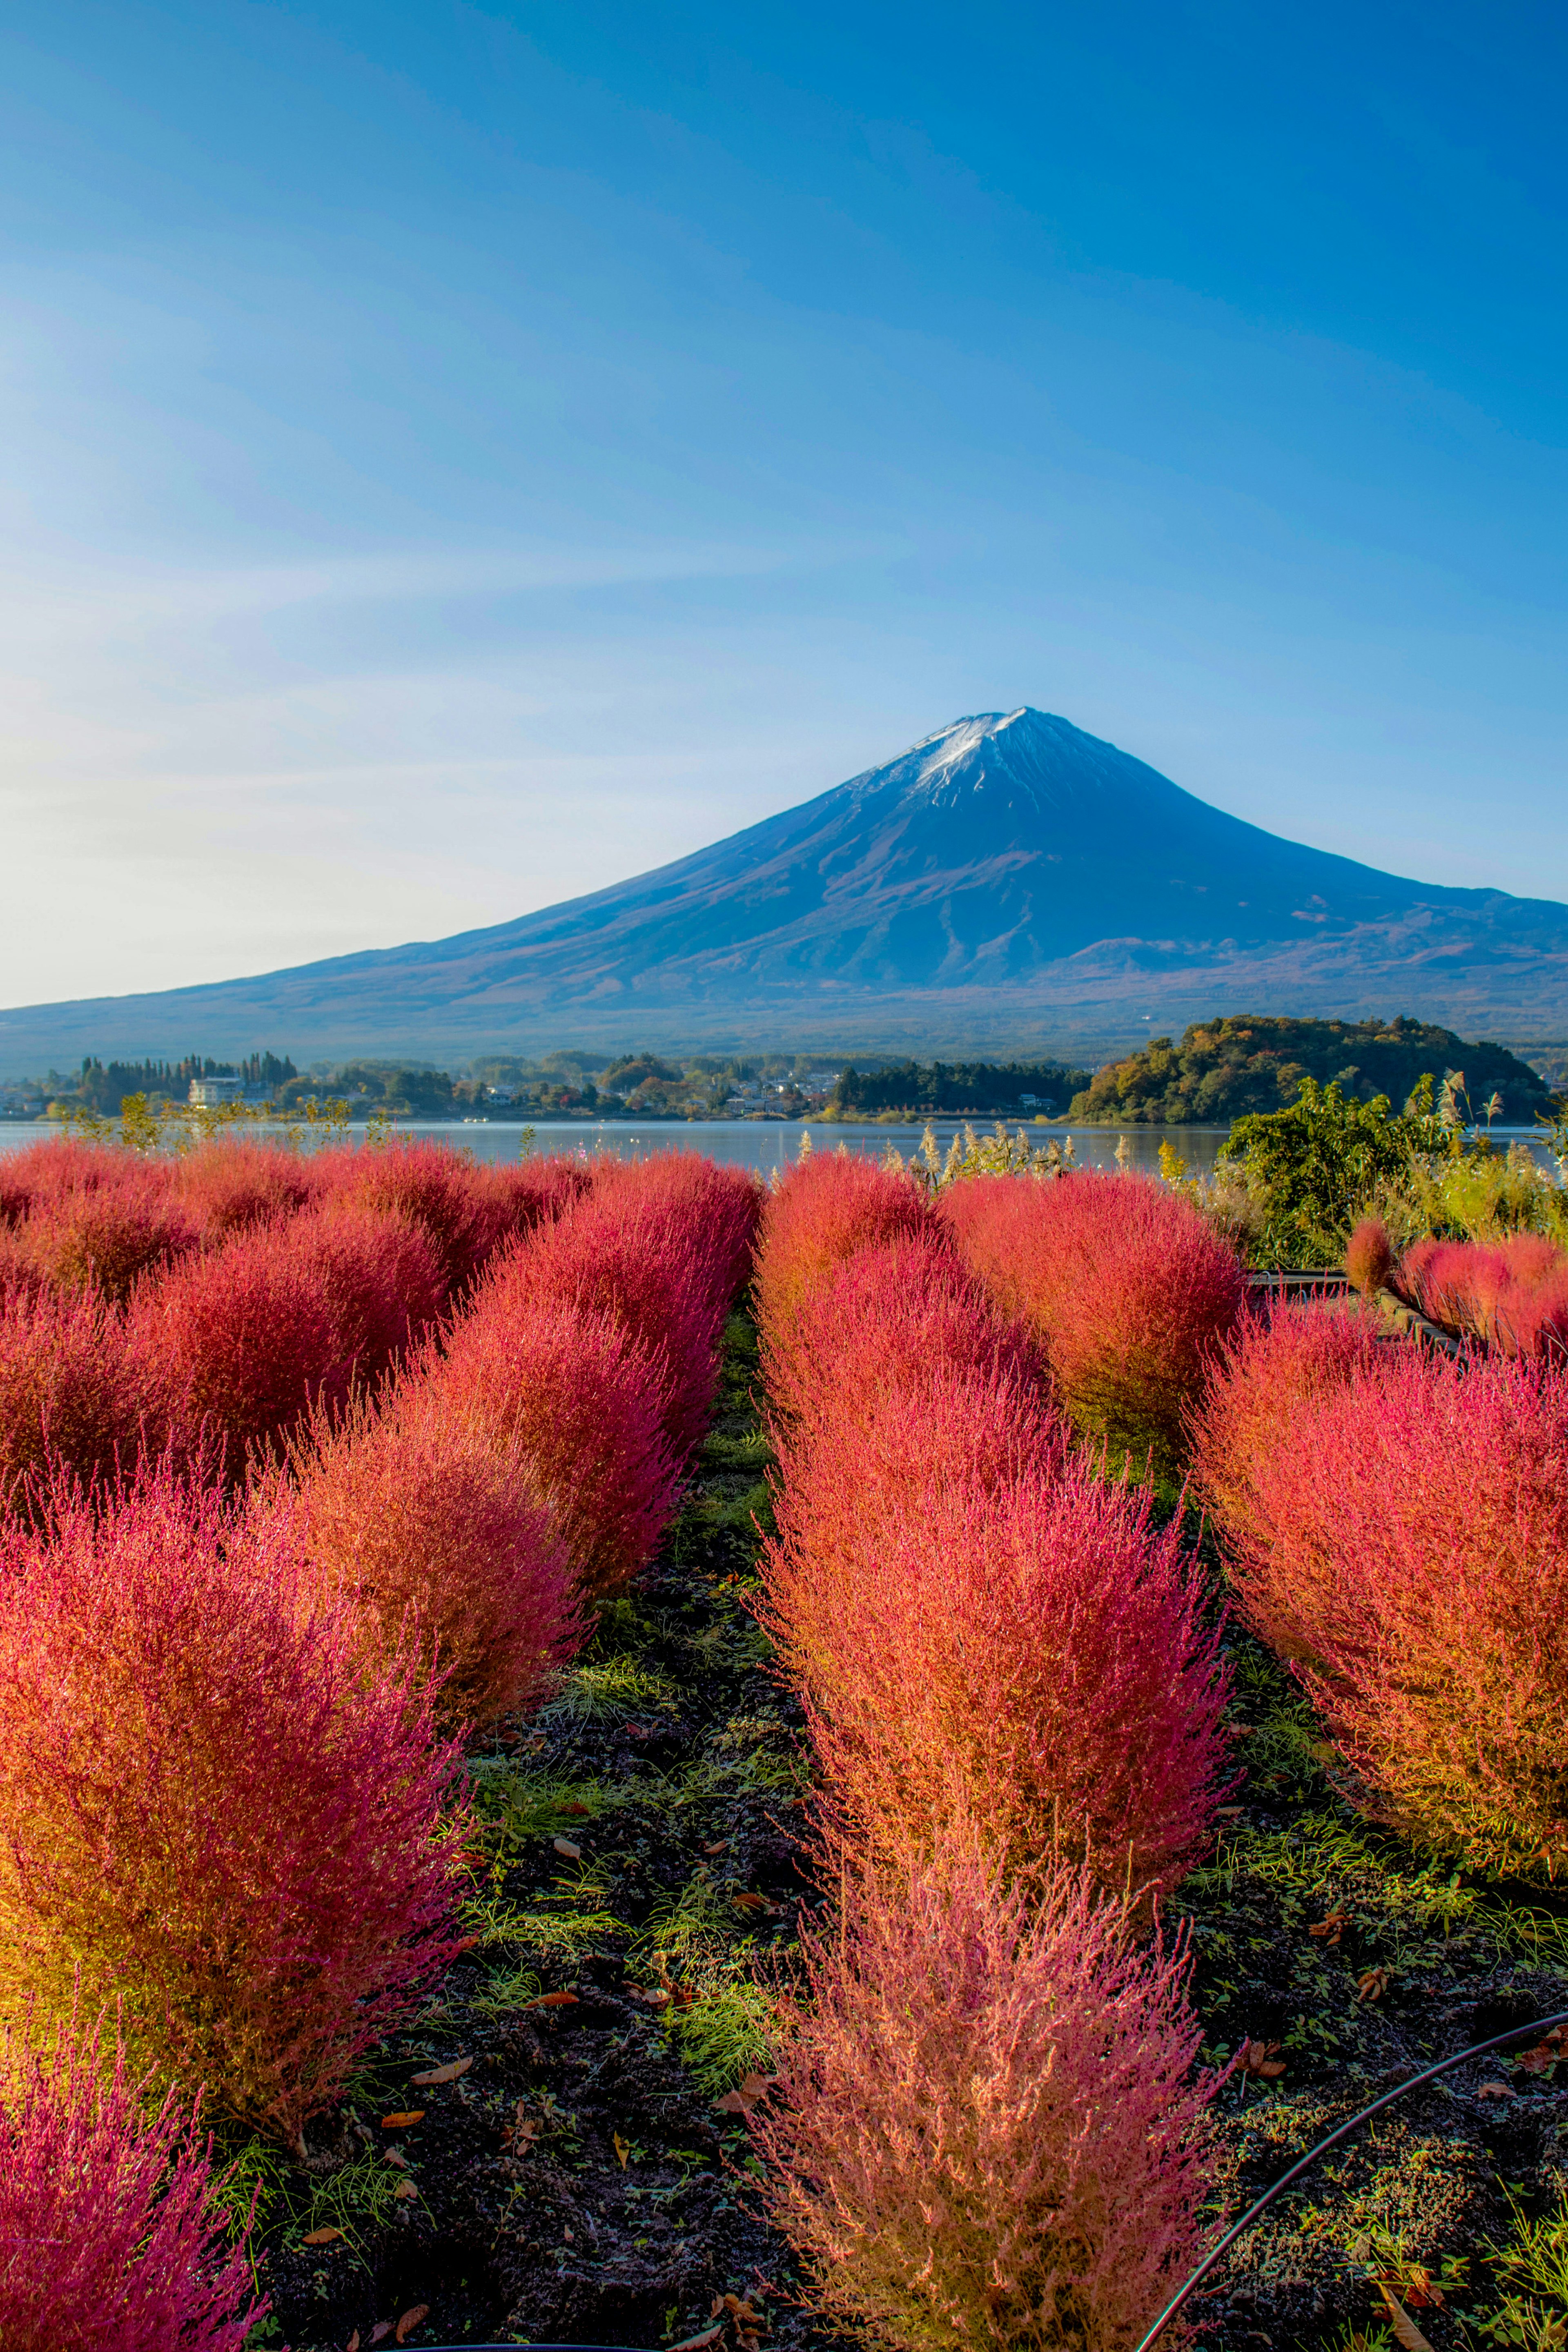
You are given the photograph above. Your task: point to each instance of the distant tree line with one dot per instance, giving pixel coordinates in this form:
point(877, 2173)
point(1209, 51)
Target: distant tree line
point(103, 1087)
point(965, 1089)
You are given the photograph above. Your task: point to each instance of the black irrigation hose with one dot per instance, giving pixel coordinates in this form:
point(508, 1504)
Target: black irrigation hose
point(1477, 2050)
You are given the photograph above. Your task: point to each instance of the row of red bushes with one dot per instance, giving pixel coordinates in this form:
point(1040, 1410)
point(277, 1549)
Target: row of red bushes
point(229, 1811)
point(1396, 1522)
point(985, 2123)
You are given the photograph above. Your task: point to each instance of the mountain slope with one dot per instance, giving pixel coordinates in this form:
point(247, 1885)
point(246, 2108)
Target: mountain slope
point(1009, 876)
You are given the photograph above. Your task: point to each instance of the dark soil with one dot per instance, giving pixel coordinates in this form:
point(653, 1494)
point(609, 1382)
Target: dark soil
point(585, 2179)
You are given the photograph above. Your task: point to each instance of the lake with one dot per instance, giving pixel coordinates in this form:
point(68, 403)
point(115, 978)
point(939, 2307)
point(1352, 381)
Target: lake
point(766, 1144)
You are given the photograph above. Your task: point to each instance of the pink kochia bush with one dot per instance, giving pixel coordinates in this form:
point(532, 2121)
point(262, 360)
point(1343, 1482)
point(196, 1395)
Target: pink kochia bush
point(720, 1209)
point(1369, 1257)
point(465, 1214)
point(65, 1393)
point(426, 1522)
point(1127, 1288)
point(218, 1817)
point(1273, 1369)
point(577, 1405)
point(1412, 1561)
point(110, 2233)
point(1512, 1294)
point(827, 1210)
point(984, 2133)
point(1031, 1652)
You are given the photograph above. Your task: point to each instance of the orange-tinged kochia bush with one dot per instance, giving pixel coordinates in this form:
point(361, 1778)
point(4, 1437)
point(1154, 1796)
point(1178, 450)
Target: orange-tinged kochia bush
point(578, 1404)
point(110, 2232)
point(215, 1816)
point(1126, 1286)
point(425, 1520)
point(1368, 1256)
point(827, 1209)
point(890, 1320)
point(1028, 1651)
point(1274, 1367)
point(1416, 1571)
point(985, 2129)
point(67, 1394)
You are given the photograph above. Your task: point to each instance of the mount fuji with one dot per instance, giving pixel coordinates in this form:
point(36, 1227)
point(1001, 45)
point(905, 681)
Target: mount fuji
point(1010, 881)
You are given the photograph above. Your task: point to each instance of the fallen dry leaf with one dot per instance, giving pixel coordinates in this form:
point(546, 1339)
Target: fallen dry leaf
point(745, 2095)
point(1258, 2058)
point(434, 2074)
point(1544, 2053)
point(319, 2237)
point(410, 2321)
point(741, 2312)
point(547, 2000)
point(1331, 1929)
point(564, 1846)
point(402, 2118)
point(1406, 2332)
point(660, 1998)
point(352, 2344)
point(721, 1846)
point(1495, 2091)
point(639, 1731)
point(622, 2150)
point(698, 2343)
point(755, 1903)
point(1373, 1985)
point(1228, 1813)
point(380, 2331)
point(395, 2156)
point(404, 2190)
point(570, 1806)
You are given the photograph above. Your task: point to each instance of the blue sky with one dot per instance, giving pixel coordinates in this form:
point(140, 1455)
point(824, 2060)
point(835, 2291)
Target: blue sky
point(453, 457)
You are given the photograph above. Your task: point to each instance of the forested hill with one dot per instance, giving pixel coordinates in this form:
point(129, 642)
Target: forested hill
point(1251, 1061)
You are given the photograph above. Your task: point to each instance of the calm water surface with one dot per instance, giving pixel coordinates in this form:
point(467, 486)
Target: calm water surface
point(765, 1144)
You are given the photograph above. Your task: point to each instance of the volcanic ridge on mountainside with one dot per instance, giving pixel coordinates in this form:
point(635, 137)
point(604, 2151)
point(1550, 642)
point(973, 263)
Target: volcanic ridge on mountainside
point(1008, 879)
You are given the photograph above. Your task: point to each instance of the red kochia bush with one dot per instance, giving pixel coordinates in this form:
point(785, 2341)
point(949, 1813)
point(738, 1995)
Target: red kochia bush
point(237, 1183)
point(1418, 1569)
point(1273, 1369)
point(1511, 1294)
point(1126, 1288)
point(110, 2231)
point(1368, 1256)
point(104, 1236)
point(441, 1189)
point(67, 1393)
point(894, 1316)
point(44, 1171)
point(425, 1520)
point(578, 1402)
point(215, 1816)
point(382, 1278)
point(722, 1208)
point(986, 2133)
point(230, 1349)
point(828, 1208)
point(1030, 1651)
point(648, 1262)
point(531, 1192)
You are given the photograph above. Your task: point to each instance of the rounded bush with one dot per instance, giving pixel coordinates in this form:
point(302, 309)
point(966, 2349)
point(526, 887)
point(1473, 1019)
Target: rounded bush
point(217, 1816)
